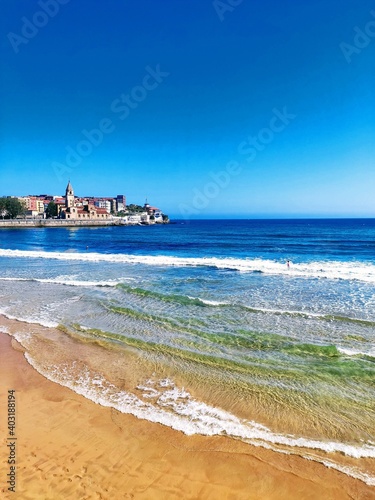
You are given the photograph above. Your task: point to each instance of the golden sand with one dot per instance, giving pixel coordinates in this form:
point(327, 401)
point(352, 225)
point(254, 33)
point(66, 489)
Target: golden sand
point(71, 448)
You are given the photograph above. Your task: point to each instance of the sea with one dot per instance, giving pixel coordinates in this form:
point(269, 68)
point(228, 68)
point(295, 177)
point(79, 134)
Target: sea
point(258, 330)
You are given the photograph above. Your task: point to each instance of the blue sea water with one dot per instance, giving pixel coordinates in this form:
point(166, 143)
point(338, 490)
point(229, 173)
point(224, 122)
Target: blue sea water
point(300, 240)
point(231, 339)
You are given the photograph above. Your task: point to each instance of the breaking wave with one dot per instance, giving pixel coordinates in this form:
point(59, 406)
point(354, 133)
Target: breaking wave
point(161, 401)
point(69, 282)
point(321, 269)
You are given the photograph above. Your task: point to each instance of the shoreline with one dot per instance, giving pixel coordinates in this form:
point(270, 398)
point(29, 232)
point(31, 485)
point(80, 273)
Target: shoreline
point(71, 447)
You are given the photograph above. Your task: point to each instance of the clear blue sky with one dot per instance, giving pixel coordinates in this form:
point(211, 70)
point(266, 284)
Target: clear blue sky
point(223, 71)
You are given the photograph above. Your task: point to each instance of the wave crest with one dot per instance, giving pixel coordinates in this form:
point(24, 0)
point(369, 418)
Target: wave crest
point(360, 271)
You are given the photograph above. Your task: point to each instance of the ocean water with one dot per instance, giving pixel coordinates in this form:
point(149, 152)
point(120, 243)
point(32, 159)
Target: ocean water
point(202, 326)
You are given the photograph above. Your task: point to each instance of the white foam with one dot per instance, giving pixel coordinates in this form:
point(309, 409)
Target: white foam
point(349, 352)
point(349, 471)
point(165, 382)
point(213, 302)
point(69, 282)
point(22, 337)
point(31, 321)
point(286, 311)
point(330, 269)
point(209, 302)
point(176, 408)
point(354, 352)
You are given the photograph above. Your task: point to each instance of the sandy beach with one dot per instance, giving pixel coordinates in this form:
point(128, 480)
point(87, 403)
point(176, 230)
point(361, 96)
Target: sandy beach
point(70, 447)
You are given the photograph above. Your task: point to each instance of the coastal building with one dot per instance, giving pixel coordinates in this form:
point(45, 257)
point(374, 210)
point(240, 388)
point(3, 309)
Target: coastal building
point(40, 206)
point(79, 210)
point(120, 203)
point(34, 205)
point(104, 203)
point(90, 208)
point(59, 202)
point(69, 196)
point(154, 212)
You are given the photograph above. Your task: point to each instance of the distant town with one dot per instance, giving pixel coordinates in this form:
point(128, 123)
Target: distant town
point(73, 210)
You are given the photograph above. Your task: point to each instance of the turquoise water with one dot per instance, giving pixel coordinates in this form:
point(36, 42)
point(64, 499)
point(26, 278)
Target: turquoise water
point(219, 334)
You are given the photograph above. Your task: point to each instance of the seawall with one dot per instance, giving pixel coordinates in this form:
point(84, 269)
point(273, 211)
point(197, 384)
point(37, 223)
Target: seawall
point(21, 223)
point(56, 223)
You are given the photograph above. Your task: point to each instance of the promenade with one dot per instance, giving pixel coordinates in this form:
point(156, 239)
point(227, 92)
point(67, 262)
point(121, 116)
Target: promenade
point(20, 223)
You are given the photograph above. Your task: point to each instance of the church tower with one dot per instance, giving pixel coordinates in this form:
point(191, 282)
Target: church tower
point(69, 196)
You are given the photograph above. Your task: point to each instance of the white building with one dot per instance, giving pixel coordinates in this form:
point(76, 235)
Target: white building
point(106, 204)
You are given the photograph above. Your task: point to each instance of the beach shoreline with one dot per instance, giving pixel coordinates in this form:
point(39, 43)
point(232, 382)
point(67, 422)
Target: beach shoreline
point(71, 447)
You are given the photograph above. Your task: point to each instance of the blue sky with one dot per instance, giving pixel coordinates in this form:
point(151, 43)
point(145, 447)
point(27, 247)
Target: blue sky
point(188, 95)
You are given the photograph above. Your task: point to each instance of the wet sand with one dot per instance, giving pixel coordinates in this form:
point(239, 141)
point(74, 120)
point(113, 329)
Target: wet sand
point(70, 447)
